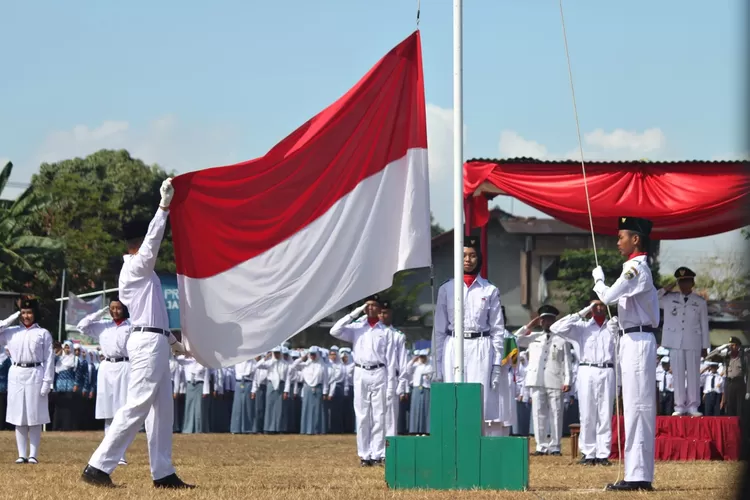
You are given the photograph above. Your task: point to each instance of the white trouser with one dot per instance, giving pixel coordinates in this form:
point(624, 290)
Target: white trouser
point(495, 429)
point(685, 366)
point(596, 396)
point(546, 407)
point(30, 435)
point(638, 362)
point(369, 411)
point(149, 399)
point(391, 415)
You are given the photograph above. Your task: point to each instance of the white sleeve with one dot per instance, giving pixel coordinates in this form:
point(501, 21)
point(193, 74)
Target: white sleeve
point(143, 263)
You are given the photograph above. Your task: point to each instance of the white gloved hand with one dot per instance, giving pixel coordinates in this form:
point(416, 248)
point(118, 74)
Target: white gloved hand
point(585, 311)
point(178, 348)
point(167, 192)
point(358, 311)
point(45, 390)
point(496, 374)
point(598, 274)
point(747, 396)
point(613, 325)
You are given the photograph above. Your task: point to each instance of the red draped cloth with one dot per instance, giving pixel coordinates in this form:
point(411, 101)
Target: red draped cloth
point(683, 199)
point(690, 438)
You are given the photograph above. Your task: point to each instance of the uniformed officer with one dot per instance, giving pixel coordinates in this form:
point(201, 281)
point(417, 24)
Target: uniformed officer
point(685, 334)
point(548, 375)
point(638, 313)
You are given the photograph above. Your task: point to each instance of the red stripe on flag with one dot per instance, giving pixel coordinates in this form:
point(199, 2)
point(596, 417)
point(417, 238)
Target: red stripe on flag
point(224, 216)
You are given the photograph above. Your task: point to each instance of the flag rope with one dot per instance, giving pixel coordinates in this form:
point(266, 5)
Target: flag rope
point(593, 239)
point(418, 10)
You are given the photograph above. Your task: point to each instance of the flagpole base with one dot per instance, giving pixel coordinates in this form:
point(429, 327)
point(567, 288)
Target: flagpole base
point(455, 456)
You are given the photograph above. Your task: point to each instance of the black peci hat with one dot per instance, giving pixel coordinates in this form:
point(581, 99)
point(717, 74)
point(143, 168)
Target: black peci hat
point(134, 229)
point(636, 224)
point(594, 296)
point(386, 304)
point(29, 303)
point(375, 298)
point(548, 310)
point(473, 242)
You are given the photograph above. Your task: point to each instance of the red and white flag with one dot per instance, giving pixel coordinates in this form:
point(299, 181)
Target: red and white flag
point(268, 247)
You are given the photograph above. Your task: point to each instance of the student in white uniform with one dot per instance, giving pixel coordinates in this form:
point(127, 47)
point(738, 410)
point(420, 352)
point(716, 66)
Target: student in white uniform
point(548, 375)
point(419, 370)
point(30, 378)
point(150, 385)
point(665, 387)
point(376, 363)
point(685, 334)
point(638, 314)
point(713, 388)
point(484, 331)
point(596, 377)
point(114, 371)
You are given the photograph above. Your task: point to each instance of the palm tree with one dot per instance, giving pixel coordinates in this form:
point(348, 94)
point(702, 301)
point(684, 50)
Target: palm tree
point(19, 249)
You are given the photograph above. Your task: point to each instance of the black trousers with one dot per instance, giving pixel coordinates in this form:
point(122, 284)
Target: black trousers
point(4, 426)
point(734, 396)
point(666, 403)
point(712, 404)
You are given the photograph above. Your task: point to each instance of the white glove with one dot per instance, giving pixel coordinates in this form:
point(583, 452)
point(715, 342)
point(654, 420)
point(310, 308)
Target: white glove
point(747, 396)
point(167, 192)
point(178, 348)
point(45, 390)
point(598, 274)
point(358, 311)
point(613, 325)
point(496, 373)
point(585, 311)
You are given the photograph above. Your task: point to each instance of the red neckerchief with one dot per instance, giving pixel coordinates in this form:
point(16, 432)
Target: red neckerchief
point(118, 322)
point(372, 322)
point(636, 254)
point(469, 279)
point(600, 320)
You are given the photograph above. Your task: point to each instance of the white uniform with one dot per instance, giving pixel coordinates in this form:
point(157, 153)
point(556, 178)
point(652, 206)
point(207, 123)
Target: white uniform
point(637, 307)
point(685, 333)
point(595, 382)
point(150, 388)
point(400, 380)
point(548, 370)
point(484, 333)
point(114, 371)
point(375, 370)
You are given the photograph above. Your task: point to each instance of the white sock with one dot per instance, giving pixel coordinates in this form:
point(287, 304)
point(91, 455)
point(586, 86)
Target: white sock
point(35, 437)
point(22, 439)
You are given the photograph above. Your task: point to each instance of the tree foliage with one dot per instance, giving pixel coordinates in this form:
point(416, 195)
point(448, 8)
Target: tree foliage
point(719, 279)
point(435, 228)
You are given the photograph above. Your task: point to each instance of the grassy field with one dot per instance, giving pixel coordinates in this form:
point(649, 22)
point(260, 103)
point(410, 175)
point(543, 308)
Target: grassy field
point(304, 467)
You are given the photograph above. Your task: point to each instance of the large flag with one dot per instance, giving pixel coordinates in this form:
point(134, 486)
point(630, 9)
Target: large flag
point(268, 247)
point(76, 309)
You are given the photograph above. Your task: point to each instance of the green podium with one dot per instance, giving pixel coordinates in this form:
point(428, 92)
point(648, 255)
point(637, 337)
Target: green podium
point(455, 455)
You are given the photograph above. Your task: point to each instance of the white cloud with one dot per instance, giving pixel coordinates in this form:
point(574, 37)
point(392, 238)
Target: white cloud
point(647, 141)
point(165, 140)
point(513, 145)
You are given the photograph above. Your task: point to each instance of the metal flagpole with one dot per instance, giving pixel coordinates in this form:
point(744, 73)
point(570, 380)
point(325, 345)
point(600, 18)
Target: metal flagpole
point(62, 304)
point(458, 192)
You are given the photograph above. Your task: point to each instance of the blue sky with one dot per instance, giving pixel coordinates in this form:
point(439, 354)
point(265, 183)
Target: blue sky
point(192, 84)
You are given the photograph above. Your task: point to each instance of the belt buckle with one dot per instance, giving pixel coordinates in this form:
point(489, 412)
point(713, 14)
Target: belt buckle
point(467, 335)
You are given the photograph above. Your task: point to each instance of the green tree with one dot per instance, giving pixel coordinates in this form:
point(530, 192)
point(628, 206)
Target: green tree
point(24, 256)
point(435, 228)
point(574, 275)
point(404, 297)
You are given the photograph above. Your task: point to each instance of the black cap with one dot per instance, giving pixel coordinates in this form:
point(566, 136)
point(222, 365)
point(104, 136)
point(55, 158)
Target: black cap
point(547, 310)
point(386, 304)
point(735, 340)
point(594, 296)
point(472, 242)
point(374, 298)
point(684, 273)
point(642, 226)
point(134, 229)
point(29, 303)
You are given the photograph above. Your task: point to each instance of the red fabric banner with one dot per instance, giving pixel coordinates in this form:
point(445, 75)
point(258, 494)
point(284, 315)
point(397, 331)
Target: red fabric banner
point(683, 199)
point(685, 438)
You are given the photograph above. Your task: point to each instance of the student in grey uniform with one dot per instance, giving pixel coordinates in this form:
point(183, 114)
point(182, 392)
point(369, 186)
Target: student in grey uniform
point(178, 390)
point(197, 397)
point(419, 370)
point(296, 395)
point(4, 368)
point(243, 407)
point(348, 390)
point(335, 397)
point(314, 374)
point(277, 391)
point(258, 393)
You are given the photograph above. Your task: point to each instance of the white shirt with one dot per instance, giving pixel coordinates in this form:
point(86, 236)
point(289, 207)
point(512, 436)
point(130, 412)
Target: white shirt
point(113, 338)
point(372, 345)
point(664, 381)
point(313, 373)
point(29, 345)
point(139, 286)
point(685, 321)
point(335, 375)
point(196, 373)
point(244, 370)
point(718, 383)
point(420, 374)
point(595, 344)
point(634, 292)
point(549, 364)
point(277, 373)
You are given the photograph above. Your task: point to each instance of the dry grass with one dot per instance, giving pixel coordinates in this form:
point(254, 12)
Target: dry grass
point(302, 467)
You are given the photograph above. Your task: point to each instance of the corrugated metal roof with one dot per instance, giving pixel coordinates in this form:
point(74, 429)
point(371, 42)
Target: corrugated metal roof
point(539, 226)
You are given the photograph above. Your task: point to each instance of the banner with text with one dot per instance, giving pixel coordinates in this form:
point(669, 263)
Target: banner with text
point(171, 298)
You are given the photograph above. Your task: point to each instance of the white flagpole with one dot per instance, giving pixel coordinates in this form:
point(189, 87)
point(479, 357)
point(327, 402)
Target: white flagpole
point(458, 192)
point(62, 304)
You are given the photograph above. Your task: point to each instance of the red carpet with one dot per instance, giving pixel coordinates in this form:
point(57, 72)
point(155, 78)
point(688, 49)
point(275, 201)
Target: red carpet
point(691, 438)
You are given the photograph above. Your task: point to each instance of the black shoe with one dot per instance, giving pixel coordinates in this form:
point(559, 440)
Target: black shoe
point(555, 454)
point(630, 486)
point(365, 463)
point(21, 460)
point(603, 461)
point(173, 482)
point(97, 477)
point(380, 461)
point(538, 454)
point(587, 461)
